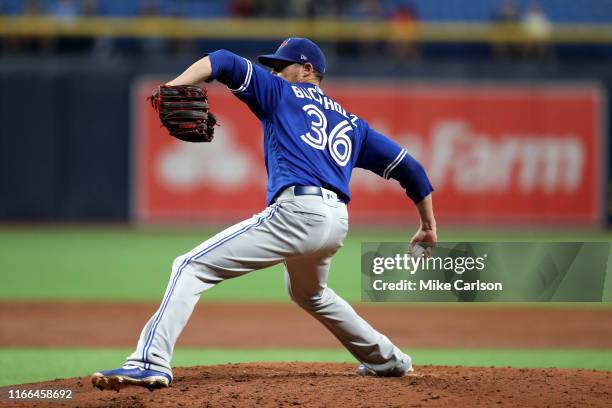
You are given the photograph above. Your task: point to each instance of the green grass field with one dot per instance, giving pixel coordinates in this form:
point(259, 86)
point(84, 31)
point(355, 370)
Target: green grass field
point(122, 264)
point(134, 265)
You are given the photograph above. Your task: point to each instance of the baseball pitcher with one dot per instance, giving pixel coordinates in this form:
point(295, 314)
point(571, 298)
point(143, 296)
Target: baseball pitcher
point(311, 145)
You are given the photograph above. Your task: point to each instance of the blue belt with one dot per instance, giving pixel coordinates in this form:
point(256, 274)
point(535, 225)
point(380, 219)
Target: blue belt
point(312, 190)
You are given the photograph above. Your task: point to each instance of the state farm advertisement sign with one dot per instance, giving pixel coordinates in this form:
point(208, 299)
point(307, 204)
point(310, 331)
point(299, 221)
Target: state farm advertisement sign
point(496, 154)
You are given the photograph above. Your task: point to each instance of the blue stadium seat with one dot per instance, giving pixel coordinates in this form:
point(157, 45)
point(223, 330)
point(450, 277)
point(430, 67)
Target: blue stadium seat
point(11, 7)
point(562, 11)
point(118, 8)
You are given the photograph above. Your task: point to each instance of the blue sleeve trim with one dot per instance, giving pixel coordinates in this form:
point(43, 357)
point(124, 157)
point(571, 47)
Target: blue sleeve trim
point(253, 85)
point(231, 70)
point(412, 177)
point(394, 163)
point(247, 79)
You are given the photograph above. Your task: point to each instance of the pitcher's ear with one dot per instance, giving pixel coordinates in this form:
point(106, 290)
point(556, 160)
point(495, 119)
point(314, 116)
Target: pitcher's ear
point(309, 67)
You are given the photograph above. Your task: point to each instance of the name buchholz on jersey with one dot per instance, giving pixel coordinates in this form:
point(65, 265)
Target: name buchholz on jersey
point(316, 94)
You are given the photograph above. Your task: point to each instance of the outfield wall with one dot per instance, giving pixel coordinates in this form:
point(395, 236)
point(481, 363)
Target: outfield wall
point(497, 153)
point(72, 161)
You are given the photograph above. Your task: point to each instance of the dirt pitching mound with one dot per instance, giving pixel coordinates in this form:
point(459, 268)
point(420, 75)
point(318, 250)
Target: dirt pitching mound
point(333, 385)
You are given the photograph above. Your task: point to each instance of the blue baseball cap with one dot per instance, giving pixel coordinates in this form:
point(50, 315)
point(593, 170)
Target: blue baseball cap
point(299, 50)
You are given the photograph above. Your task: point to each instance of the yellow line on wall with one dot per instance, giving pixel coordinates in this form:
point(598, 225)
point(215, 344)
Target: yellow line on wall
point(333, 30)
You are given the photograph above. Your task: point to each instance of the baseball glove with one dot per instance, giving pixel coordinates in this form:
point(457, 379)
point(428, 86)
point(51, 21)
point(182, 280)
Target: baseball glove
point(183, 110)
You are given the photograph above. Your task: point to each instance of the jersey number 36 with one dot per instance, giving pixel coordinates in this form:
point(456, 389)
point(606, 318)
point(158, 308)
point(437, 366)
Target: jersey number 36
point(337, 142)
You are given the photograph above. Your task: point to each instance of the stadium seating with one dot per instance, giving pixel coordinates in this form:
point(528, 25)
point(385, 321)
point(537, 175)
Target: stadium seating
point(560, 11)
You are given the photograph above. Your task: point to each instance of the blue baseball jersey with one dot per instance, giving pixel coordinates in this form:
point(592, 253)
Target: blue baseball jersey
point(310, 139)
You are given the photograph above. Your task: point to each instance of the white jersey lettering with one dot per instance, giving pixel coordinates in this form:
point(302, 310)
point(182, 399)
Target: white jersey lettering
point(315, 95)
point(328, 103)
point(298, 92)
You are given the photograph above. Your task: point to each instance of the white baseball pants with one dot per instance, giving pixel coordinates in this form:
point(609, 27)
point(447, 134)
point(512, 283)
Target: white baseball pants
point(304, 232)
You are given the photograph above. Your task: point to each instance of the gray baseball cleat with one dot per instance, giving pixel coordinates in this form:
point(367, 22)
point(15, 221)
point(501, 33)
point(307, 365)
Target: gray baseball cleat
point(398, 371)
point(130, 375)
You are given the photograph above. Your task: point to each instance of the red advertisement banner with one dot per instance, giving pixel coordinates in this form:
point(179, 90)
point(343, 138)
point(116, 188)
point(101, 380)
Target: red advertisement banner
point(496, 154)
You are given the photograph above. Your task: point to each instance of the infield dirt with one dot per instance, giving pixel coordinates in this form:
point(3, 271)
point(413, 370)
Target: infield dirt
point(336, 385)
point(225, 325)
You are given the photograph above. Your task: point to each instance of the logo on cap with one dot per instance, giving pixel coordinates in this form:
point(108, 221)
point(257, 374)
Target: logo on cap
point(284, 43)
point(302, 56)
